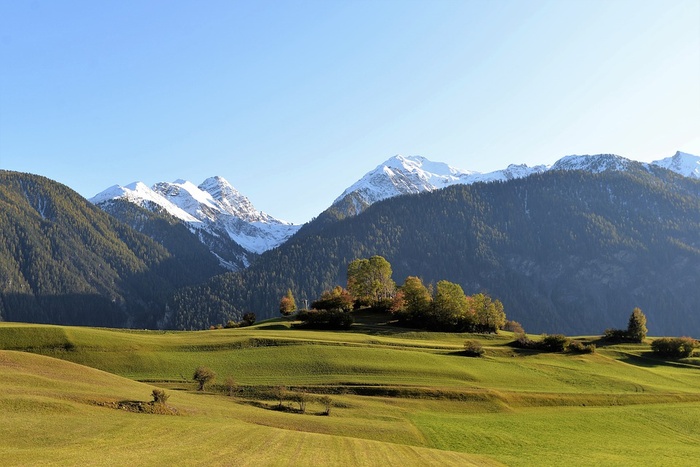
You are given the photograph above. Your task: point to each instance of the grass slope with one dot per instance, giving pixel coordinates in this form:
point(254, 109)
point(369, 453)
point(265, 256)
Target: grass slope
point(400, 397)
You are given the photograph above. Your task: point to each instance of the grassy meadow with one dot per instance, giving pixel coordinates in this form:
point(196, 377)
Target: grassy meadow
point(399, 397)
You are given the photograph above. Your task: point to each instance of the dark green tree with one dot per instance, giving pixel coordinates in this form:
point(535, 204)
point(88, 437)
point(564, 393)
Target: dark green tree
point(248, 319)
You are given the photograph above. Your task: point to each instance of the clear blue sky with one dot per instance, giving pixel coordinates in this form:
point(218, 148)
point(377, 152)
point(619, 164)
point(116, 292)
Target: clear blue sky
point(293, 101)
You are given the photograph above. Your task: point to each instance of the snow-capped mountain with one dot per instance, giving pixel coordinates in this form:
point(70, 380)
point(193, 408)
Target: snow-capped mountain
point(682, 163)
point(595, 164)
point(212, 209)
point(402, 175)
point(219, 214)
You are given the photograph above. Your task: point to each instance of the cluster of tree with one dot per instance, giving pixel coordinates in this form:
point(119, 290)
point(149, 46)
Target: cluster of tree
point(553, 343)
point(636, 329)
point(674, 347)
point(247, 320)
point(370, 285)
point(447, 308)
point(561, 250)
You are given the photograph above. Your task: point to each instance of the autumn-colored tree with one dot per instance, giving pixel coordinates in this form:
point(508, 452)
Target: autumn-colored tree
point(336, 299)
point(287, 304)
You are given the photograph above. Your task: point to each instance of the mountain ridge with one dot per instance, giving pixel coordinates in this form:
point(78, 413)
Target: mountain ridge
point(565, 251)
point(212, 209)
point(401, 175)
point(225, 219)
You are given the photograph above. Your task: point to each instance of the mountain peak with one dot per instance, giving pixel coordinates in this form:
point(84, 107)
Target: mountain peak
point(593, 163)
point(682, 163)
point(215, 206)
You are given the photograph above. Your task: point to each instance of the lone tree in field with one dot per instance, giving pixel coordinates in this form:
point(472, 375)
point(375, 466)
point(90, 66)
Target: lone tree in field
point(203, 375)
point(327, 404)
point(231, 386)
point(637, 327)
point(288, 305)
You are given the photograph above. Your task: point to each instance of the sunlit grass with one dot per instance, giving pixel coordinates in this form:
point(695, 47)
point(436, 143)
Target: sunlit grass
point(400, 397)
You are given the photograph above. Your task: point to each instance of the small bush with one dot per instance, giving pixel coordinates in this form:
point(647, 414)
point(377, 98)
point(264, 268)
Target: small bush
point(554, 342)
point(615, 335)
point(159, 396)
point(230, 386)
point(523, 342)
point(674, 347)
point(514, 327)
point(325, 319)
point(548, 343)
point(580, 347)
point(473, 349)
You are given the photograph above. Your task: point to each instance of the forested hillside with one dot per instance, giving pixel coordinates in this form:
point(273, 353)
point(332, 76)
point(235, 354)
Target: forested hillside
point(64, 261)
point(570, 252)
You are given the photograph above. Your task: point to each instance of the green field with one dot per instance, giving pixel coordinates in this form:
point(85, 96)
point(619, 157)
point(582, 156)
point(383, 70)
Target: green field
point(400, 397)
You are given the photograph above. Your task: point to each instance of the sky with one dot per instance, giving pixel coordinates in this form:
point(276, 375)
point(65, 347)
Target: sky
point(294, 101)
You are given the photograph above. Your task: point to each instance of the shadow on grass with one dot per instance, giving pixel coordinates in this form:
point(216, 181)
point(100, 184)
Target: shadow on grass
point(649, 360)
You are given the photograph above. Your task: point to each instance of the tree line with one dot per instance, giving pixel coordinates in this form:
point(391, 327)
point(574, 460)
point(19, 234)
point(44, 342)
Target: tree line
point(443, 307)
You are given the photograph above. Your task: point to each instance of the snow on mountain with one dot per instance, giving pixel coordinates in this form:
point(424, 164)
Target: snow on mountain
point(415, 174)
point(216, 210)
point(214, 206)
point(682, 163)
point(140, 194)
point(595, 164)
point(402, 175)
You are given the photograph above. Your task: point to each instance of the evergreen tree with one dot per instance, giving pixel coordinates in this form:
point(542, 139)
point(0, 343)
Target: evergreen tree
point(637, 327)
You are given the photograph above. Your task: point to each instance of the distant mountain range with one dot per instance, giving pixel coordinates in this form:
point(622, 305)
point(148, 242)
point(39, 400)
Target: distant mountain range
point(415, 174)
point(567, 248)
point(572, 249)
point(236, 232)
